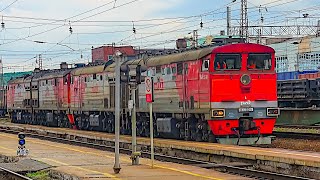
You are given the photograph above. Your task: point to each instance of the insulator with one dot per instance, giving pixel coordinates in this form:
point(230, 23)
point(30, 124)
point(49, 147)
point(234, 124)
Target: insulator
point(70, 30)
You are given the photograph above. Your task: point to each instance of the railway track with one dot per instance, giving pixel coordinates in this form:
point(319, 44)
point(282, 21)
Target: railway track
point(297, 135)
point(298, 126)
point(10, 175)
point(241, 171)
point(297, 132)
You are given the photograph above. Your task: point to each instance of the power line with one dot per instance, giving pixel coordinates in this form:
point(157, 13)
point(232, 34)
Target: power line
point(63, 25)
point(8, 5)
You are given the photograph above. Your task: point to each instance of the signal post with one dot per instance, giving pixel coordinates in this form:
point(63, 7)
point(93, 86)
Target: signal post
point(125, 78)
point(150, 100)
point(22, 151)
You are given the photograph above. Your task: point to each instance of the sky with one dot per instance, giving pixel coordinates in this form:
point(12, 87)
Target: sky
point(41, 27)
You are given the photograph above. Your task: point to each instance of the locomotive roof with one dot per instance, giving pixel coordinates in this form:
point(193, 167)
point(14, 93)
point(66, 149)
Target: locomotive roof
point(19, 80)
point(16, 80)
point(150, 61)
point(244, 47)
point(56, 73)
point(88, 70)
point(173, 58)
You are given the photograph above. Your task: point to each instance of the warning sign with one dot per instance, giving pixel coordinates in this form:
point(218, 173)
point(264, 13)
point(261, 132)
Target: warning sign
point(149, 89)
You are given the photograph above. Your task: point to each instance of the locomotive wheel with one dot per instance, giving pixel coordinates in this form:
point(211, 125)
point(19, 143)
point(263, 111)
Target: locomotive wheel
point(212, 138)
point(198, 137)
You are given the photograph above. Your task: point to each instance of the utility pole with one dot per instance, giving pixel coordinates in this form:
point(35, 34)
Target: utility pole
point(228, 20)
point(118, 59)
point(3, 103)
point(244, 20)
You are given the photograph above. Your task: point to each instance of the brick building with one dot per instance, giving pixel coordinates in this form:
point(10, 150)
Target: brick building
point(105, 53)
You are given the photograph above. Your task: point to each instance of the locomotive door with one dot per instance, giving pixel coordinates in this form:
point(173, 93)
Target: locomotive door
point(112, 95)
point(185, 90)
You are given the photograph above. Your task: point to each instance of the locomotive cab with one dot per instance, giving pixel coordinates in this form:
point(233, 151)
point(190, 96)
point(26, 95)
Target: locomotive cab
point(243, 94)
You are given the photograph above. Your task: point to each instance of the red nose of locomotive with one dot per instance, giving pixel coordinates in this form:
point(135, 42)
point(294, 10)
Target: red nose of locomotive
point(243, 107)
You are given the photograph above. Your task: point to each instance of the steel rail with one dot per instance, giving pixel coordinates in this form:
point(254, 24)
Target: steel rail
point(10, 175)
point(221, 167)
point(296, 135)
point(298, 126)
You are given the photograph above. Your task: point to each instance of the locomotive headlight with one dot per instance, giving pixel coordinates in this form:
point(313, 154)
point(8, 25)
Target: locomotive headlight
point(218, 113)
point(245, 79)
point(273, 111)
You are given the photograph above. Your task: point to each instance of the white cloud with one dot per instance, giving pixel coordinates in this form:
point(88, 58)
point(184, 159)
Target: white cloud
point(60, 9)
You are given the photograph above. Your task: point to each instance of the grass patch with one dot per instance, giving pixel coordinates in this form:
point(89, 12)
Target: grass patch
point(39, 175)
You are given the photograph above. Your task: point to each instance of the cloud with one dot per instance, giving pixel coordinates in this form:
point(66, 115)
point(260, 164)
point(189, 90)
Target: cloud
point(60, 9)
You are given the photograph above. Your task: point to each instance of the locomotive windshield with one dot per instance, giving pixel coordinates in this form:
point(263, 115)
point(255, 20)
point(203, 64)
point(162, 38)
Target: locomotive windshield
point(259, 61)
point(227, 62)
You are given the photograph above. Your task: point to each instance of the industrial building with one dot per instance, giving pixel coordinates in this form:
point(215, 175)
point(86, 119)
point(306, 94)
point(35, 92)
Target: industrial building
point(298, 54)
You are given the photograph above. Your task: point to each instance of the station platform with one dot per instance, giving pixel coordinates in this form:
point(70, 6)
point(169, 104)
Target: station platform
point(77, 162)
point(271, 159)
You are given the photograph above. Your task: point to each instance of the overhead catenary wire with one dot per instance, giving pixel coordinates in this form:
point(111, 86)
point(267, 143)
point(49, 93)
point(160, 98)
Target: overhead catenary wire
point(131, 36)
point(8, 6)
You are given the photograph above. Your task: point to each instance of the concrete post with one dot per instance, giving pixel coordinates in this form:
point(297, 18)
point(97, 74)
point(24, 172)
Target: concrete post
point(135, 155)
point(118, 59)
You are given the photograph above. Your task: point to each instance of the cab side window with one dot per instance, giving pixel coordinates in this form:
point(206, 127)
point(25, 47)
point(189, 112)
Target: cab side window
point(259, 61)
point(205, 65)
point(227, 62)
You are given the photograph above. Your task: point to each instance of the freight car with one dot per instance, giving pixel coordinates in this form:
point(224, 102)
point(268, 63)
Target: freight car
point(299, 93)
point(210, 94)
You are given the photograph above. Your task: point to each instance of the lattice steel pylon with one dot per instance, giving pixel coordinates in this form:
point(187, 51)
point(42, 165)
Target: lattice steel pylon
point(244, 20)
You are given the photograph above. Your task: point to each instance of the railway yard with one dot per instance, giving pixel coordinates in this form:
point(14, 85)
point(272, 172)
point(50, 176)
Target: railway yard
point(160, 90)
point(188, 160)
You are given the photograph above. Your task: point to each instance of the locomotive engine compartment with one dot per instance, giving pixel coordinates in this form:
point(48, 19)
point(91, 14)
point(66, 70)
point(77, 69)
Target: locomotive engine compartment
point(193, 99)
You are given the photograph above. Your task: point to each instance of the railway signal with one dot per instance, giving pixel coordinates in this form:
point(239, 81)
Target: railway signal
point(149, 89)
point(149, 99)
point(124, 70)
point(22, 151)
point(139, 70)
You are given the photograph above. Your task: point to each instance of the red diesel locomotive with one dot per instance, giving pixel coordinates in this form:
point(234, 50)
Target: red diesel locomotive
point(224, 94)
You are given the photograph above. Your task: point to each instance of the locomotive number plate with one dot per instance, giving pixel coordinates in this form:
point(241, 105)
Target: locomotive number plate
point(249, 109)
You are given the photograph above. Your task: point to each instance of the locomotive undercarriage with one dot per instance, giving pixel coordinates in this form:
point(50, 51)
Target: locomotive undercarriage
point(193, 128)
point(41, 117)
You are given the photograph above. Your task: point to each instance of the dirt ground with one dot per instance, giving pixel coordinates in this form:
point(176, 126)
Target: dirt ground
point(297, 144)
